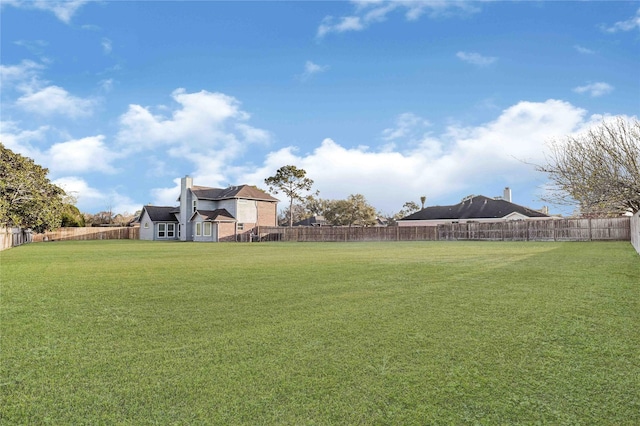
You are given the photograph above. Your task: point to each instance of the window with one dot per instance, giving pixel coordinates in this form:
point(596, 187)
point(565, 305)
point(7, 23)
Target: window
point(162, 227)
point(207, 229)
point(241, 227)
point(198, 229)
point(179, 230)
point(171, 230)
point(195, 205)
point(146, 225)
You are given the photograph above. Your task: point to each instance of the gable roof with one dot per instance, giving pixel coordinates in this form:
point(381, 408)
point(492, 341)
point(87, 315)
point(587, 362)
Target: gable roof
point(477, 207)
point(161, 213)
point(242, 191)
point(217, 215)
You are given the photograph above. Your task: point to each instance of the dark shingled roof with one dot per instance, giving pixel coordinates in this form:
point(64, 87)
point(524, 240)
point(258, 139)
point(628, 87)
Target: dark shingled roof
point(477, 207)
point(161, 213)
point(217, 215)
point(242, 191)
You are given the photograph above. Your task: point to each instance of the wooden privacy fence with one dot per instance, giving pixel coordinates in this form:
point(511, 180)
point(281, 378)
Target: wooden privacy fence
point(344, 233)
point(617, 229)
point(94, 233)
point(12, 237)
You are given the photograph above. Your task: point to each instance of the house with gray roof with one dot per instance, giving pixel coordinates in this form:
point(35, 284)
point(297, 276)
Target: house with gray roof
point(474, 208)
point(210, 214)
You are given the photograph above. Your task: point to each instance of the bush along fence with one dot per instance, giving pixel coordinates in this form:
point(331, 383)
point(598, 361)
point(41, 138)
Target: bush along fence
point(94, 233)
point(613, 229)
point(635, 231)
point(12, 237)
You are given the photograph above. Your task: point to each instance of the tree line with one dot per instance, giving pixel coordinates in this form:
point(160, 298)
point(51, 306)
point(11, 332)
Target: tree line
point(598, 170)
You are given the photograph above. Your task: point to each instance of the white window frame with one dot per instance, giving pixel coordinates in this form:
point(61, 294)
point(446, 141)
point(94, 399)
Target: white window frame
point(162, 230)
point(195, 206)
point(146, 225)
point(241, 227)
point(171, 230)
point(206, 229)
point(198, 229)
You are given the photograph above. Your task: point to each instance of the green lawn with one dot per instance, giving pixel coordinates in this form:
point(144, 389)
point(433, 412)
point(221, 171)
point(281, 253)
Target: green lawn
point(132, 332)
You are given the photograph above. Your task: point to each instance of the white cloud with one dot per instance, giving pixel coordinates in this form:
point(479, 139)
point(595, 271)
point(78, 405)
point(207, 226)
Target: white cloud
point(407, 125)
point(21, 141)
point(584, 50)
point(476, 58)
point(107, 46)
point(367, 13)
point(311, 69)
point(346, 23)
point(628, 25)
point(54, 100)
point(84, 155)
point(106, 85)
point(78, 188)
point(201, 118)
point(203, 121)
point(17, 74)
point(457, 162)
point(168, 196)
point(207, 129)
point(34, 46)
point(595, 89)
point(62, 9)
point(91, 200)
point(38, 96)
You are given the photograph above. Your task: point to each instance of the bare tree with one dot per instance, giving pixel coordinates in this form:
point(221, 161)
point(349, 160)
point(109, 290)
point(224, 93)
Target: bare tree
point(598, 169)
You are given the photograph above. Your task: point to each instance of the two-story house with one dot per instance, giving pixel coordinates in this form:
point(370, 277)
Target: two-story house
point(210, 214)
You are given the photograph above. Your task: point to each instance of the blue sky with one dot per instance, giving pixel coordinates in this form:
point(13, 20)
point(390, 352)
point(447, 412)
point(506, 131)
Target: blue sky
point(392, 100)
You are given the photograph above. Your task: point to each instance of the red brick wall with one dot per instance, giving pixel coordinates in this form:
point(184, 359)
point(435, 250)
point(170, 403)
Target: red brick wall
point(226, 231)
point(267, 213)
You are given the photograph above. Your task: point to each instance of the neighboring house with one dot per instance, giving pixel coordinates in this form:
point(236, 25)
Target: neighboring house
point(312, 221)
point(381, 221)
point(476, 208)
point(158, 223)
point(210, 214)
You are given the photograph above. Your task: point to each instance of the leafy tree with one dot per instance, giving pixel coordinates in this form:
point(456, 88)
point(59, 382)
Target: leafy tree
point(293, 182)
point(71, 217)
point(27, 198)
point(407, 208)
point(598, 169)
point(314, 205)
point(353, 211)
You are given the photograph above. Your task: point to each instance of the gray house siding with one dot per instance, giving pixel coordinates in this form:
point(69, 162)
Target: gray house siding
point(205, 231)
point(160, 227)
point(208, 214)
point(147, 227)
point(186, 209)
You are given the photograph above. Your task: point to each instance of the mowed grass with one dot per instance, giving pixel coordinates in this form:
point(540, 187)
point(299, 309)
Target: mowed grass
point(131, 332)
